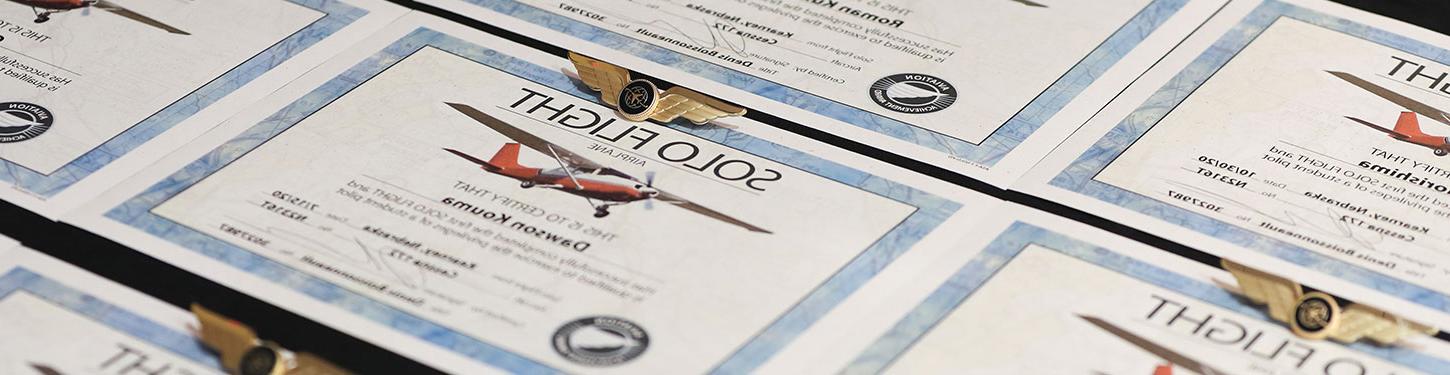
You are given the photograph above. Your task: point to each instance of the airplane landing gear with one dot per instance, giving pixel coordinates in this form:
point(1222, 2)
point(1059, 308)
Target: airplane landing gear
point(601, 211)
point(526, 184)
point(1442, 151)
point(41, 18)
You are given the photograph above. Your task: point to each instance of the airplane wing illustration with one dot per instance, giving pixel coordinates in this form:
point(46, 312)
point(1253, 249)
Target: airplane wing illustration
point(1178, 359)
point(1394, 97)
point(534, 142)
point(468, 157)
point(1373, 126)
point(44, 369)
point(692, 206)
point(123, 12)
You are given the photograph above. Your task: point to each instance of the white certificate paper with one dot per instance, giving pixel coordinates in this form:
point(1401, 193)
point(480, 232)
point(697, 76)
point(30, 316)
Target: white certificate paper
point(59, 319)
point(1031, 293)
point(983, 88)
point(382, 193)
point(1301, 136)
point(82, 89)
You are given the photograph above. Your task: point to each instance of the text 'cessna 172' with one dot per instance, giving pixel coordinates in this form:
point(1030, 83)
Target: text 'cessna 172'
point(575, 174)
point(44, 8)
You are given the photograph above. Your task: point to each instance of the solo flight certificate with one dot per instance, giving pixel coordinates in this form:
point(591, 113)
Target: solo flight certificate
point(1300, 135)
point(1031, 293)
point(470, 202)
point(59, 319)
point(84, 83)
point(979, 87)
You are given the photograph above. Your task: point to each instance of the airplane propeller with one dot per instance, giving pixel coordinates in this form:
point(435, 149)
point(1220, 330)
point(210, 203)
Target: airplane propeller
point(649, 182)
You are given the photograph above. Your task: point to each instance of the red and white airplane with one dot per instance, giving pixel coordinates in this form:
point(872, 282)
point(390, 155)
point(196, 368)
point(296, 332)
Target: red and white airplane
point(1407, 128)
point(57, 6)
point(576, 175)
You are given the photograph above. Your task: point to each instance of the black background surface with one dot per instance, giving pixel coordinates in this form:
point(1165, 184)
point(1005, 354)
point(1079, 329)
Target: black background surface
point(181, 288)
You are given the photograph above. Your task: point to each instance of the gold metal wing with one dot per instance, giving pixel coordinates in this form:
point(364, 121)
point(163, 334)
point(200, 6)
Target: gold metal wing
point(1365, 322)
point(606, 78)
point(309, 364)
point(696, 107)
point(1279, 293)
point(227, 337)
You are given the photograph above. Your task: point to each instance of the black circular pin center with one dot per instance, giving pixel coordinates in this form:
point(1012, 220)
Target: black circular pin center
point(1313, 314)
point(637, 98)
point(259, 360)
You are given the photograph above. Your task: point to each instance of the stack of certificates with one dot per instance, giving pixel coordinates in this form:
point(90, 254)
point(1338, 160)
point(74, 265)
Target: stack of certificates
point(742, 186)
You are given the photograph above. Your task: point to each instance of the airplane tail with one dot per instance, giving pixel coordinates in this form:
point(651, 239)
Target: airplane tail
point(1408, 125)
point(507, 157)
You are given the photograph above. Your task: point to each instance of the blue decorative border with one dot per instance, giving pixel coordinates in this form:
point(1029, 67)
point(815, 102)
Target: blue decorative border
point(1079, 177)
point(930, 212)
point(1017, 238)
point(1006, 138)
point(124, 321)
point(337, 16)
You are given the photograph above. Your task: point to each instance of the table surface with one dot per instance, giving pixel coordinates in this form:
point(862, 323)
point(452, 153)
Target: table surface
point(181, 288)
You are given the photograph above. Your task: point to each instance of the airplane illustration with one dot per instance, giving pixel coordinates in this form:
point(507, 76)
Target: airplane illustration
point(576, 175)
point(44, 8)
point(1407, 128)
point(1173, 357)
point(43, 369)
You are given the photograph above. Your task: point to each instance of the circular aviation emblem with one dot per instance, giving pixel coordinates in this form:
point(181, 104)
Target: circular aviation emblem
point(600, 341)
point(23, 121)
point(1316, 316)
point(260, 360)
point(637, 100)
point(913, 93)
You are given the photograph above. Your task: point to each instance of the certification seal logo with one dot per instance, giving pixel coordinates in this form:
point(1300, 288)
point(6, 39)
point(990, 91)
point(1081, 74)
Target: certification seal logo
point(637, 100)
point(600, 341)
point(913, 93)
point(23, 121)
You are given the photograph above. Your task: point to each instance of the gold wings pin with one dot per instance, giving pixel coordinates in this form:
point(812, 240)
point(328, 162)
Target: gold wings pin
point(1316, 315)
point(639, 99)
point(243, 353)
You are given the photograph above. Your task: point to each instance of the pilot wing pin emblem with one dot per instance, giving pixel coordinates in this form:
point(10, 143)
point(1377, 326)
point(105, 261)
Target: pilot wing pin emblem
point(1317, 315)
point(241, 352)
point(639, 99)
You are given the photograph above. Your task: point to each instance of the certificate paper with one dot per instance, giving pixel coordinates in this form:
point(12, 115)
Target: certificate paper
point(1290, 136)
point(80, 89)
point(386, 186)
point(959, 84)
point(62, 320)
point(1040, 294)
